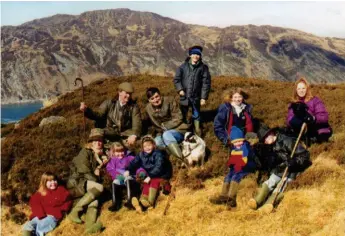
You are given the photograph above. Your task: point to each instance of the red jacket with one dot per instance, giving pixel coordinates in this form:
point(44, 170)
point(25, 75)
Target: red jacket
point(54, 203)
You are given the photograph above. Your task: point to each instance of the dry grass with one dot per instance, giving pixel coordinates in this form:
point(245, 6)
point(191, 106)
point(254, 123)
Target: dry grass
point(313, 205)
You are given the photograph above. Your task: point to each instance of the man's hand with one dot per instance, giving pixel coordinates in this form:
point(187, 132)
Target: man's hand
point(182, 93)
point(97, 171)
point(82, 106)
point(131, 139)
point(202, 102)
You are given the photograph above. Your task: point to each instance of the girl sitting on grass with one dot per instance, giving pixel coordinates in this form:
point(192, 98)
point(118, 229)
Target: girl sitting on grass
point(158, 169)
point(119, 160)
point(48, 206)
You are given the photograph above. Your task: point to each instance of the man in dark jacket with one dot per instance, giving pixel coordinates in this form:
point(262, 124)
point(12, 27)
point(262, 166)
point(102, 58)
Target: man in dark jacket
point(193, 82)
point(122, 116)
point(282, 147)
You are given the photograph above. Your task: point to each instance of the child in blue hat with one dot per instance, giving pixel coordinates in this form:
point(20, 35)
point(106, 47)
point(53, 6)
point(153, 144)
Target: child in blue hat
point(241, 163)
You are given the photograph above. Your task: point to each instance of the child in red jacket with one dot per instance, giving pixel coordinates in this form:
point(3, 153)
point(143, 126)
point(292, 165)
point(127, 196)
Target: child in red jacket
point(47, 205)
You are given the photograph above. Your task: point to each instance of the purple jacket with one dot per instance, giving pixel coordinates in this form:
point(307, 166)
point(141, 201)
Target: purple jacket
point(317, 109)
point(118, 166)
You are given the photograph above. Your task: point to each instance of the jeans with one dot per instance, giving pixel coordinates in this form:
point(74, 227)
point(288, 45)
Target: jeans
point(41, 226)
point(168, 137)
point(195, 110)
point(274, 180)
point(235, 176)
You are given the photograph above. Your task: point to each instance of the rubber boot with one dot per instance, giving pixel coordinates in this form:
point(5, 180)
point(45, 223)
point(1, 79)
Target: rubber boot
point(197, 128)
point(137, 205)
point(260, 197)
point(175, 150)
point(26, 233)
point(223, 197)
point(91, 226)
point(152, 196)
point(130, 185)
point(117, 198)
point(84, 201)
point(269, 206)
point(232, 194)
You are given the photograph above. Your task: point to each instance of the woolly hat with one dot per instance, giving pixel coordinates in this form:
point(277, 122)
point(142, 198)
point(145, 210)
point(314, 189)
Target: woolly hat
point(96, 134)
point(127, 87)
point(236, 134)
point(195, 50)
point(264, 131)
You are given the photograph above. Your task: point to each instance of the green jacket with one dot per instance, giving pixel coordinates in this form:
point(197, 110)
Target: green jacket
point(168, 117)
point(120, 121)
point(82, 170)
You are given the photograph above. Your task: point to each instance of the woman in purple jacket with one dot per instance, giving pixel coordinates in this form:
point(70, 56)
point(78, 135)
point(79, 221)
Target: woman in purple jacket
point(308, 109)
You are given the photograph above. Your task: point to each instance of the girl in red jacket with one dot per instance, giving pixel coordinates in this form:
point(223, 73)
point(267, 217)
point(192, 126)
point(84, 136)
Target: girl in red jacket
point(47, 205)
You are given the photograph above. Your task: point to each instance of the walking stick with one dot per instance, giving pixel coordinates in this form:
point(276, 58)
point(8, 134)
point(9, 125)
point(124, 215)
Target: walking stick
point(284, 177)
point(82, 89)
point(172, 193)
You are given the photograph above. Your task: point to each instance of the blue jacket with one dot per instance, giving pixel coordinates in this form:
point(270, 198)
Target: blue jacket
point(156, 164)
point(222, 119)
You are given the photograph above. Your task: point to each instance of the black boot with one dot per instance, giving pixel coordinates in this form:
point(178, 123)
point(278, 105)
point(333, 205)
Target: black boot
point(117, 198)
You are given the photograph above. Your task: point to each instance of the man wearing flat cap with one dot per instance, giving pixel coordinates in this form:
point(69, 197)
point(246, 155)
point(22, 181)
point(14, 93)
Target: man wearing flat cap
point(193, 82)
point(121, 116)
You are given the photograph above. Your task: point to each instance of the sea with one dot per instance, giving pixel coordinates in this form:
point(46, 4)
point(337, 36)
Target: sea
point(15, 112)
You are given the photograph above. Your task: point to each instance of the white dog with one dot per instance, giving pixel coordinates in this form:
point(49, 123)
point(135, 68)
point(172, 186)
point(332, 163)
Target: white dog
point(193, 148)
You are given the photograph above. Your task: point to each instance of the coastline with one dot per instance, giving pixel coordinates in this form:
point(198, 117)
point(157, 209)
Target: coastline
point(24, 101)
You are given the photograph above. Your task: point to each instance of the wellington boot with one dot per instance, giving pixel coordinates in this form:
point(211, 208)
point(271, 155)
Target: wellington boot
point(26, 233)
point(175, 150)
point(136, 204)
point(260, 197)
point(197, 128)
point(223, 197)
point(152, 196)
point(232, 194)
point(84, 201)
point(117, 198)
point(269, 205)
point(91, 226)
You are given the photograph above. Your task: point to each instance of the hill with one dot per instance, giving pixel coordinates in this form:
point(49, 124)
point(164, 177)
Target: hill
point(313, 205)
point(41, 58)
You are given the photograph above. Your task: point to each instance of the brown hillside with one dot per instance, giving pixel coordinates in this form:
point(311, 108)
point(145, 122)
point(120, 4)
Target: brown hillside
point(314, 204)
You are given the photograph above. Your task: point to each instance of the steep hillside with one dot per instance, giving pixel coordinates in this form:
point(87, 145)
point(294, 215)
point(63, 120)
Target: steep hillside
point(41, 58)
point(313, 205)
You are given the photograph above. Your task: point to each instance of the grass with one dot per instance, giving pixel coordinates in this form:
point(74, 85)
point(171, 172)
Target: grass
point(314, 204)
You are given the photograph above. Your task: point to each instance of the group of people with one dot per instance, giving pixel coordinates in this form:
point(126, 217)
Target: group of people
point(143, 175)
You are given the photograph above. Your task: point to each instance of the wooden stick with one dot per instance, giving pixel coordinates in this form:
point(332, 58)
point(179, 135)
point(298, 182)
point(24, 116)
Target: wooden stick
point(82, 89)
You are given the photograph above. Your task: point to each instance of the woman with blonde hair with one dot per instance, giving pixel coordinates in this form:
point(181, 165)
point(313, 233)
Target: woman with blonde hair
point(309, 109)
point(47, 205)
point(233, 112)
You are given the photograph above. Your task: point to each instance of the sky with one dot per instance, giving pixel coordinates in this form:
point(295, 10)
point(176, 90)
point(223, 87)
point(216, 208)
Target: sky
point(326, 19)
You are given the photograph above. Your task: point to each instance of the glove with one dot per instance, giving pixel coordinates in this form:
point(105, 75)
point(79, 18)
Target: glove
point(126, 173)
point(299, 109)
point(147, 180)
point(121, 178)
point(142, 175)
point(309, 119)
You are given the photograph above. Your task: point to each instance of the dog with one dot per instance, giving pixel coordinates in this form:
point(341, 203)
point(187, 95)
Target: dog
point(193, 148)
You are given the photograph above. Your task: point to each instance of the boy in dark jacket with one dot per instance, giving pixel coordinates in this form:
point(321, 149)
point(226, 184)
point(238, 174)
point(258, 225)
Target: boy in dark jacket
point(193, 82)
point(158, 169)
point(241, 163)
point(282, 147)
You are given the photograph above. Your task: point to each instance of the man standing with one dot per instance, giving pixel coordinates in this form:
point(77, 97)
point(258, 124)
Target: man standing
point(193, 82)
point(121, 114)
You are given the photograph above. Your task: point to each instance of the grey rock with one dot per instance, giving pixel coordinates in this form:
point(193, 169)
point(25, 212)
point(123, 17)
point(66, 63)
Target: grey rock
point(52, 120)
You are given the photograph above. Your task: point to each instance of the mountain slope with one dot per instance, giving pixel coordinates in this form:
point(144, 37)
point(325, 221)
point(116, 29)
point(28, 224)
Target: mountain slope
point(42, 57)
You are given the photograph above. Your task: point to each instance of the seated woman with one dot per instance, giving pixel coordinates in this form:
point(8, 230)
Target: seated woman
point(84, 181)
point(233, 112)
point(309, 109)
point(167, 120)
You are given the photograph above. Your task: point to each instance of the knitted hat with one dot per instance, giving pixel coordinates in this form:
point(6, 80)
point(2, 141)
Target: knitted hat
point(236, 134)
point(96, 134)
point(264, 131)
point(127, 87)
point(195, 50)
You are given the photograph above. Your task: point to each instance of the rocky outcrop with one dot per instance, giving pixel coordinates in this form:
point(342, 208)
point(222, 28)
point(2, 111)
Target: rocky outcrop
point(52, 120)
point(41, 58)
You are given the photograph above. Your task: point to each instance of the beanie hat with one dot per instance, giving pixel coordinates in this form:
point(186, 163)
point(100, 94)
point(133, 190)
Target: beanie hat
point(236, 134)
point(127, 87)
point(195, 50)
point(96, 134)
point(264, 131)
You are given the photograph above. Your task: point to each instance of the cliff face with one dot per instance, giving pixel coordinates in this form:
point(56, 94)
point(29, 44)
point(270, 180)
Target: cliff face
point(42, 57)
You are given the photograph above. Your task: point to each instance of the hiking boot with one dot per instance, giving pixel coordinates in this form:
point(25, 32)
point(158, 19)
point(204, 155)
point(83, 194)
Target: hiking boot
point(84, 201)
point(260, 197)
point(223, 197)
